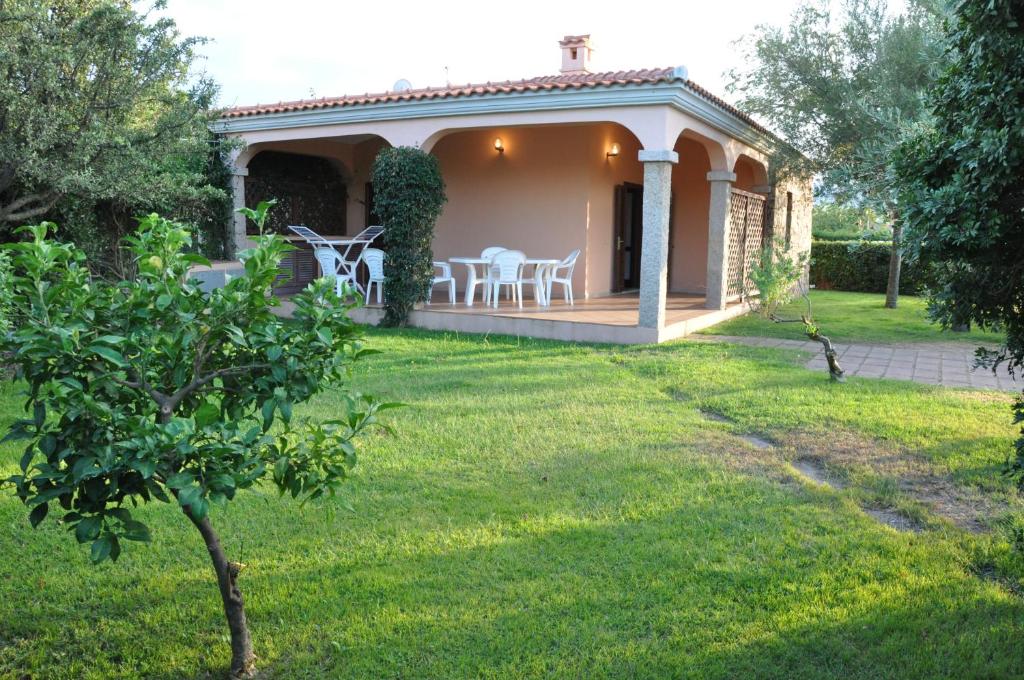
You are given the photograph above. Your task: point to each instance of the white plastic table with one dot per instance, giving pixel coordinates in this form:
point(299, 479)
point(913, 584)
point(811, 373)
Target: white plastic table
point(540, 269)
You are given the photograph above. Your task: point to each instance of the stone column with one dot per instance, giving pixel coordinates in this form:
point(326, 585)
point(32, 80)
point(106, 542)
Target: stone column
point(654, 245)
point(718, 238)
point(238, 239)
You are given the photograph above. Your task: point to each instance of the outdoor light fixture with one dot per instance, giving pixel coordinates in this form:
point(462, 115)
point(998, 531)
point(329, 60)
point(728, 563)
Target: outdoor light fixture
point(614, 151)
point(498, 146)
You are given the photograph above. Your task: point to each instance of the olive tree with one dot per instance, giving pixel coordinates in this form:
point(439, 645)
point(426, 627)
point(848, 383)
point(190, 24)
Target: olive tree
point(150, 390)
point(842, 83)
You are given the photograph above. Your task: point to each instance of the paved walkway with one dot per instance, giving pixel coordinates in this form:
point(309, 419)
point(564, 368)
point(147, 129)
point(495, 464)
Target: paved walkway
point(946, 363)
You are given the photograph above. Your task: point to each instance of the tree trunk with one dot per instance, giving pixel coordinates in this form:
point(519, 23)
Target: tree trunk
point(892, 288)
point(242, 657)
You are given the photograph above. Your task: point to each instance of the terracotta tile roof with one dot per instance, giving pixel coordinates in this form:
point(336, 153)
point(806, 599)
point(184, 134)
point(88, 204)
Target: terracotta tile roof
point(565, 81)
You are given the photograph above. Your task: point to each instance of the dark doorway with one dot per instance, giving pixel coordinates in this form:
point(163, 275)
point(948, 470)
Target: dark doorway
point(629, 229)
point(372, 218)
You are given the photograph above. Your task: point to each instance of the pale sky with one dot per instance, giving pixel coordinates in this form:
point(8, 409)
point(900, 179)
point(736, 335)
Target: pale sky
point(271, 50)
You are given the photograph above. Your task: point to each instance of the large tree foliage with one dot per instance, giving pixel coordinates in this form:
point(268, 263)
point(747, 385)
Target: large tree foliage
point(962, 191)
point(150, 390)
point(408, 194)
point(98, 108)
point(842, 83)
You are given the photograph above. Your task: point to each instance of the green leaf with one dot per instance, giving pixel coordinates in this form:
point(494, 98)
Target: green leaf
point(136, 531)
point(207, 414)
point(274, 353)
point(146, 468)
point(110, 354)
point(163, 301)
point(120, 513)
point(111, 339)
point(26, 458)
point(38, 514)
point(88, 529)
point(101, 548)
point(180, 480)
point(223, 481)
point(286, 410)
point(268, 413)
point(190, 496)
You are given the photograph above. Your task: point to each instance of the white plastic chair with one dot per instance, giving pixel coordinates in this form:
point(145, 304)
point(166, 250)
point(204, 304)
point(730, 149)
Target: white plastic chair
point(488, 253)
point(507, 270)
point(568, 264)
point(332, 264)
point(374, 259)
point(445, 277)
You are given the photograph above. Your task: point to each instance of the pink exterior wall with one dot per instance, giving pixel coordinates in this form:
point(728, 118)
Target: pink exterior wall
point(549, 193)
point(607, 173)
point(689, 236)
point(553, 190)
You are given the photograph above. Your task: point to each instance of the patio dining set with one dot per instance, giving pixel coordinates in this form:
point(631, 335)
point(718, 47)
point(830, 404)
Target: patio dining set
point(501, 268)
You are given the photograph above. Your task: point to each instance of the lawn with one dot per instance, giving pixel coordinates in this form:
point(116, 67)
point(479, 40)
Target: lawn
point(550, 510)
point(856, 317)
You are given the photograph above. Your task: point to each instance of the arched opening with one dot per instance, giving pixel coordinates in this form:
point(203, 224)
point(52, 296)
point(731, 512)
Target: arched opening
point(749, 174)
point(321, 183)
point(688, 229)
point(310, 190)
point(551, 189)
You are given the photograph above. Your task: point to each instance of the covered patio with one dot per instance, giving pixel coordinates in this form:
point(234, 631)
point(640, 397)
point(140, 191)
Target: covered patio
point(609, 319)
point(663, 188)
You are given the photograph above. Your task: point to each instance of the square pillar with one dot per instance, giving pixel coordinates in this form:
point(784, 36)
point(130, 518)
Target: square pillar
point(654, 244)
point(238, 238)
point(718, 238)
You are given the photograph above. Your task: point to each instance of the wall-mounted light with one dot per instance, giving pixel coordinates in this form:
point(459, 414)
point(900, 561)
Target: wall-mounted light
point(614, 151)
point(498, 146)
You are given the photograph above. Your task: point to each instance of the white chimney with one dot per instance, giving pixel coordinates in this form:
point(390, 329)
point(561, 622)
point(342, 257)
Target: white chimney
point(576, 54)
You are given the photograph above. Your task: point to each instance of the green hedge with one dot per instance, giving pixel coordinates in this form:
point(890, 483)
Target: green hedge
point(861, 266)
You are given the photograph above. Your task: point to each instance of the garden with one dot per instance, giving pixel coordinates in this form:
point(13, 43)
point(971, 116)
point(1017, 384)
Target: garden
point(192, 485)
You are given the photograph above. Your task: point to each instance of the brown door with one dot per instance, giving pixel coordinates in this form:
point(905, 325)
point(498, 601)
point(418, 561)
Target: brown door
point(629, 229)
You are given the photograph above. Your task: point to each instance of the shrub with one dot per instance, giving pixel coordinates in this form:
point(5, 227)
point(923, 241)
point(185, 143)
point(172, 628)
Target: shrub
point(861, 266)
point(776, 277)
point(408, 194)
point(6, 292)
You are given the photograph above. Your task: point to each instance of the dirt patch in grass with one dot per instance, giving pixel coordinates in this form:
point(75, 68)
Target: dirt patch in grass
point(894, 519)
point(989, 572)
point(814, 470)
point(881, 464)
point(715, 416)
point(756, 441)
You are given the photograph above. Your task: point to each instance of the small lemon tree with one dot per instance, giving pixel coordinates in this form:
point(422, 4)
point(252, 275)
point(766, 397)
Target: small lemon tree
point(151, 390)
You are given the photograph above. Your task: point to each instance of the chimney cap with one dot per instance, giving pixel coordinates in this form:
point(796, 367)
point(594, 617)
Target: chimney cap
point(575, 40)
point(576, 54)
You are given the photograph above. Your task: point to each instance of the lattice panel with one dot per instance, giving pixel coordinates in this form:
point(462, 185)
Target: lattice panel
point(754, 241)
point(737, 235)
point(746, 239)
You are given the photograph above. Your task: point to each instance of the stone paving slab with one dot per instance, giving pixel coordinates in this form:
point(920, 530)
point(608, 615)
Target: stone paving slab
point(947, 364)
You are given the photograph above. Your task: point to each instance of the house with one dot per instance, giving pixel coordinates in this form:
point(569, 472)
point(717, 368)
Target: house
point(663, 186)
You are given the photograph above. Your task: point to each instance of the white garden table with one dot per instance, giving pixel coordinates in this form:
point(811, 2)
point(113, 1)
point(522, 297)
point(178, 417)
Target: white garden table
point(541, 266)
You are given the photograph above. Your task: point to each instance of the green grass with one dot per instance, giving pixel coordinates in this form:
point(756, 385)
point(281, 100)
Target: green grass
point(548, 510)
point(855, 317)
